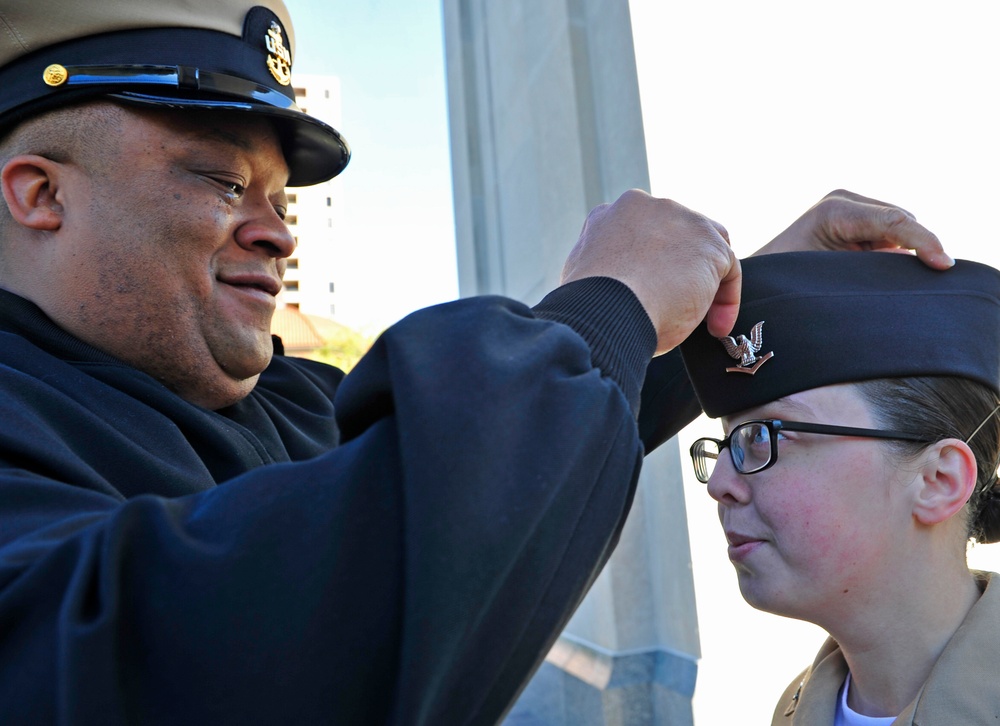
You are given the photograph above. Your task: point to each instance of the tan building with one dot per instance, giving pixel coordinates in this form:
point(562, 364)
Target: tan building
point(315, 214)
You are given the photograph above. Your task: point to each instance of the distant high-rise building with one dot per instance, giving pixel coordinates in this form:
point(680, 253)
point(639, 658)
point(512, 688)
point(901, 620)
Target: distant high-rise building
point(314, 214)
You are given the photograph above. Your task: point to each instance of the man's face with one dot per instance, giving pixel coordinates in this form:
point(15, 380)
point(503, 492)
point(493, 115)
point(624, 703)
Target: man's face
point(174, 251)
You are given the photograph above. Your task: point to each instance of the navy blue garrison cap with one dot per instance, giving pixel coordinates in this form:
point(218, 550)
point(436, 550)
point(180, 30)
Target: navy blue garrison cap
point(232, 55)
point(811, 319)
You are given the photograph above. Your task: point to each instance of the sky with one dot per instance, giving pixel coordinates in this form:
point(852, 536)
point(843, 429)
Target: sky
point(398, 244)
point(752, 112)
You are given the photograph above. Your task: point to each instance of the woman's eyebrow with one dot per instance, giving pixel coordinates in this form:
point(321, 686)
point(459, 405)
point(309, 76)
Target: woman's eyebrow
point(761, 412)
point(797, 407)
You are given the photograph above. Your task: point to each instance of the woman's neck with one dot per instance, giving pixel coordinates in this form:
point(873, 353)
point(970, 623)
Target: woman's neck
point(892, 658)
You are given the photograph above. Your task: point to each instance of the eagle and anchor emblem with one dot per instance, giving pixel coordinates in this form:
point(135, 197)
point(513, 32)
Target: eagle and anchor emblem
point(279, 59)
point(745, 350)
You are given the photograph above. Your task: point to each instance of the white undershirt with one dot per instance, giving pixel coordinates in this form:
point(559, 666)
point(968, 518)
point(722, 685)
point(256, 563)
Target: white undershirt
point(846, 717)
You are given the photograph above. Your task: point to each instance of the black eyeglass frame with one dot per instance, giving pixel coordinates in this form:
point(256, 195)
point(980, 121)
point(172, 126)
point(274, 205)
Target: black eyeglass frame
point(773, 426)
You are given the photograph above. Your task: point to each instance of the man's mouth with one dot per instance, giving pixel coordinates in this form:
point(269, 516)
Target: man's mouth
point(257, 281)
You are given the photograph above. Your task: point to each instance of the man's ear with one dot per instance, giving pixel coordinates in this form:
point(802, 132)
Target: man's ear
point(30, 186)
point(947, 480)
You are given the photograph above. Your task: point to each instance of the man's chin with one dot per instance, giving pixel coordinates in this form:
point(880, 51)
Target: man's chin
point(231, 381)
point(245, 357)
point(220, 393)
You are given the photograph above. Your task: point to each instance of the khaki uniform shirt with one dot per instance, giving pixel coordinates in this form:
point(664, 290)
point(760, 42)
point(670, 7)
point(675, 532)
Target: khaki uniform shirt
point(963, 688)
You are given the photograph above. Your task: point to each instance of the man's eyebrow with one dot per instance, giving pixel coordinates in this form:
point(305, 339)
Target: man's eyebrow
point(232, 138)
point(229, 137)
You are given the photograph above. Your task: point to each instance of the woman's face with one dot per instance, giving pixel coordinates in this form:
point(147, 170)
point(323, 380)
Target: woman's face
point(817, 533)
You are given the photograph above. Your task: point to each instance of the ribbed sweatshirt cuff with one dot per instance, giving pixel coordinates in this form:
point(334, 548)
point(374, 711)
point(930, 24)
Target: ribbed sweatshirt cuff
point(609, 317)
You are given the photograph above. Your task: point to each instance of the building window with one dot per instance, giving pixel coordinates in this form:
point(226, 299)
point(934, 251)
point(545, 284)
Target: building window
point(293, 263)
point(300, 92)
point(326, 93)
point(329, 201)
point(329, 222)
point(293, 198)
point(331, 287)
point(292, 219)
point(332, 310)
point(292, 285)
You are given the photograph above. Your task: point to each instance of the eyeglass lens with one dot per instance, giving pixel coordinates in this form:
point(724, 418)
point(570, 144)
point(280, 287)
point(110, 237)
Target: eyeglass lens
point(749, 444)
point(705, 452)
point(751, 447)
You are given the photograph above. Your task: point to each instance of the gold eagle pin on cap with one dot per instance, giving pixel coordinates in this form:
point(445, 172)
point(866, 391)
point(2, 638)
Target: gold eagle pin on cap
point(744, 350)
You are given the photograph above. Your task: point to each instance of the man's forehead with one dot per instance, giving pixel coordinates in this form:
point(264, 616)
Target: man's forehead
point(254, 137)
point(248, 134)
point(233, 137)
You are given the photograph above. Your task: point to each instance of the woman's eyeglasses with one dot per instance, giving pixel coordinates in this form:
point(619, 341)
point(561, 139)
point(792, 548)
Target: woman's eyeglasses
point(753, 445)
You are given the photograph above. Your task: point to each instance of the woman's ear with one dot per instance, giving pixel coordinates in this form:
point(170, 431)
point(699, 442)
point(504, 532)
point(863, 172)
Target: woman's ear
point(947, 480)
point(30, 185)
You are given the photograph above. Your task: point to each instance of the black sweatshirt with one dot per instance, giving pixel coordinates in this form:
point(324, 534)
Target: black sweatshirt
point(400, 545)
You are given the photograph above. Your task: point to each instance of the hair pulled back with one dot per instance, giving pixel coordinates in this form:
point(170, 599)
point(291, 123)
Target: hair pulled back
point(945, 407)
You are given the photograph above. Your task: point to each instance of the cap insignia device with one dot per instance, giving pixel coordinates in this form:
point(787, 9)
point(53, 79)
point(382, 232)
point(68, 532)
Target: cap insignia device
point(279, 60)
point(743, 349)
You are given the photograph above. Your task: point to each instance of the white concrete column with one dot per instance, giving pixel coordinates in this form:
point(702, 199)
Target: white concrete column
point(545, 125)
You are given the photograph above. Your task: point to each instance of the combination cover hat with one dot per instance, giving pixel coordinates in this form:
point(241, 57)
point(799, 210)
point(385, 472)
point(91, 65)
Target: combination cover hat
point(811, 319)
point(233, 55)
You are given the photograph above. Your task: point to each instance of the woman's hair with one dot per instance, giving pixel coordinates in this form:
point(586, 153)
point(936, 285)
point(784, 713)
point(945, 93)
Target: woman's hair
point(943, 407)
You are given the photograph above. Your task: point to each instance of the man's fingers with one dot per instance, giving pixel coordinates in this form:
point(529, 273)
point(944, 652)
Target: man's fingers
point(723, 232)
point(725, 307)
point(871, 225)
point(851, 196)
point(670, 256)
point(909, 234)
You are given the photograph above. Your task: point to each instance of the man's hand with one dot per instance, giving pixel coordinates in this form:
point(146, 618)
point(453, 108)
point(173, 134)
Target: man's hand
point(843, 220)
point(677, 262)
